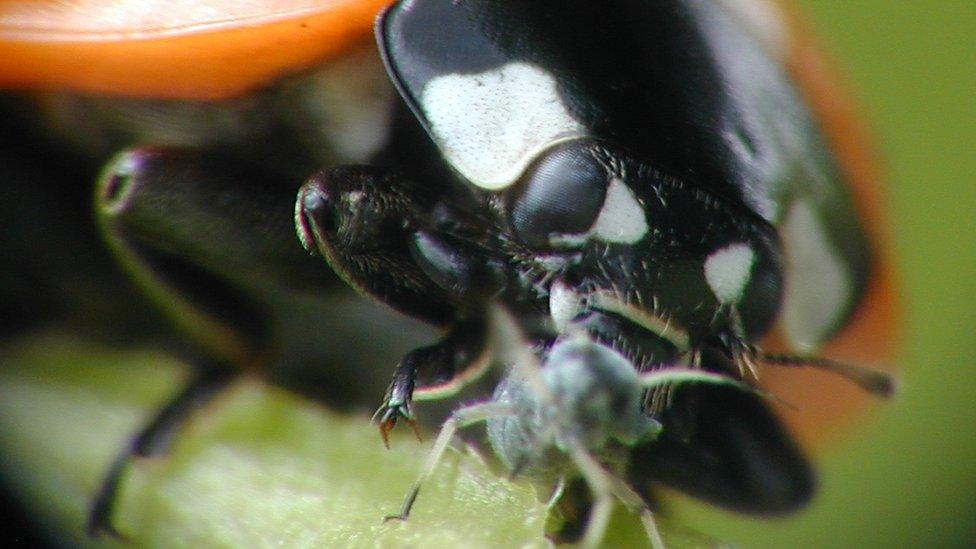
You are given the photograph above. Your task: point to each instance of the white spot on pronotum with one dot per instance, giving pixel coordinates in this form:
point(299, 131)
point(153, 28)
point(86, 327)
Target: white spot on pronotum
point(728, 271)
point(622, 217)
point(490, 125)
point(564, 303)
point(818, 286)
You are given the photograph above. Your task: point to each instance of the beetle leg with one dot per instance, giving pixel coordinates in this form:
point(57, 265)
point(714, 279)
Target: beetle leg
point(644, 347)
point(437, 370)
point(154, 440)
point(382, 236)
point(362, 220)
point(212, 243)
point(711, 417)
point(468, 272)
point(209, 241)
point(469, 275)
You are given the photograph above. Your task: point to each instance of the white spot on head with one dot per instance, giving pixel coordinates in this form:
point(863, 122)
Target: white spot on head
point(564, 303)
point(490, 125)
point(818, 287)
point(728, 271)
point(622, 219)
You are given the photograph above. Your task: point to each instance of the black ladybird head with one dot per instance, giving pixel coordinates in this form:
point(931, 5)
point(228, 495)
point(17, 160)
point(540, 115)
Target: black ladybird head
point(651, 241)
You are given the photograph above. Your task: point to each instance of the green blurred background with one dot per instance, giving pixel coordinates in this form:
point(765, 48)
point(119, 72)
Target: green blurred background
point(906, 478)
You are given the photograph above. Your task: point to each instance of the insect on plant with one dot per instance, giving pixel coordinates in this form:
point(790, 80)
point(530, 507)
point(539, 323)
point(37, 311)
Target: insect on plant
point(630, 207)
point(643, 175)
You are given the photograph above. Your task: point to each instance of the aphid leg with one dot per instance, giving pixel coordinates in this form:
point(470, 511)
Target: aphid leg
point(557, 492)
point(153, 440)
point(650, 528)
point(604, 486)
point(459, 419)
point(619, 489)
point(597, 479)
point(636, 504)
point(874, 382)
point(438, 370)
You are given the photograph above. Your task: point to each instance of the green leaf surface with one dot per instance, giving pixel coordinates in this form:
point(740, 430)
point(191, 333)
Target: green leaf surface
point(258, 467)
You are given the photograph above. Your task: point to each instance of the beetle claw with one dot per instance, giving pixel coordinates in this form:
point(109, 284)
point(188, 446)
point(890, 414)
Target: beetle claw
point(389, 414)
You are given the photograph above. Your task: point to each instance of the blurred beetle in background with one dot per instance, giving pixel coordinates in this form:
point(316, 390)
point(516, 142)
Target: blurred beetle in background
point(650, 184)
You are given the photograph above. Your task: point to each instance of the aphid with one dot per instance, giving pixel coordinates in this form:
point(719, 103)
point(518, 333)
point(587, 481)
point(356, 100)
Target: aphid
point(580, 414)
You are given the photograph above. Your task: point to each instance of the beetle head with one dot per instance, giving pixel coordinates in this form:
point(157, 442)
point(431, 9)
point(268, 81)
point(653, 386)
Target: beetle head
point(647, 241)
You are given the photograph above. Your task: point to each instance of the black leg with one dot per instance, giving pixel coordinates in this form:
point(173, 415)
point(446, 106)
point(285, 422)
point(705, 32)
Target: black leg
point(154, 439)
point(391, 241)
point(465, 270)
point(361, 220)
point(442, 367)
point(721, 444)
point(211, 241)
point(642, 346)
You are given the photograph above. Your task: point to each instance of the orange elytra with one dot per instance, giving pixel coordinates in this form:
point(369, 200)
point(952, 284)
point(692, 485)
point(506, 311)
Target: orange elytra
point(180, 49)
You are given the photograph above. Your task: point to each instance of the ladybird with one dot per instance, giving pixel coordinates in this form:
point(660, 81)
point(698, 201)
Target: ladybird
point(645, 176)
point(628, 207)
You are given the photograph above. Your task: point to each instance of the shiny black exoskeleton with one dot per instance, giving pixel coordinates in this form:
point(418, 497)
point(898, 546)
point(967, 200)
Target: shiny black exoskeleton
point(642, 173)
point(628, 183)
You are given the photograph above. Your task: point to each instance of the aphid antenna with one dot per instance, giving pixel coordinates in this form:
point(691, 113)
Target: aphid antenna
point(512, 347)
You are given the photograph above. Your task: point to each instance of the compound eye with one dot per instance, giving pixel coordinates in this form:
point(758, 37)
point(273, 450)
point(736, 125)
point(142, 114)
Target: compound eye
point(561, 193)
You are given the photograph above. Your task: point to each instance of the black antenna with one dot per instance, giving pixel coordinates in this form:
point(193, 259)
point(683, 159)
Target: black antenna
point(874, 382)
